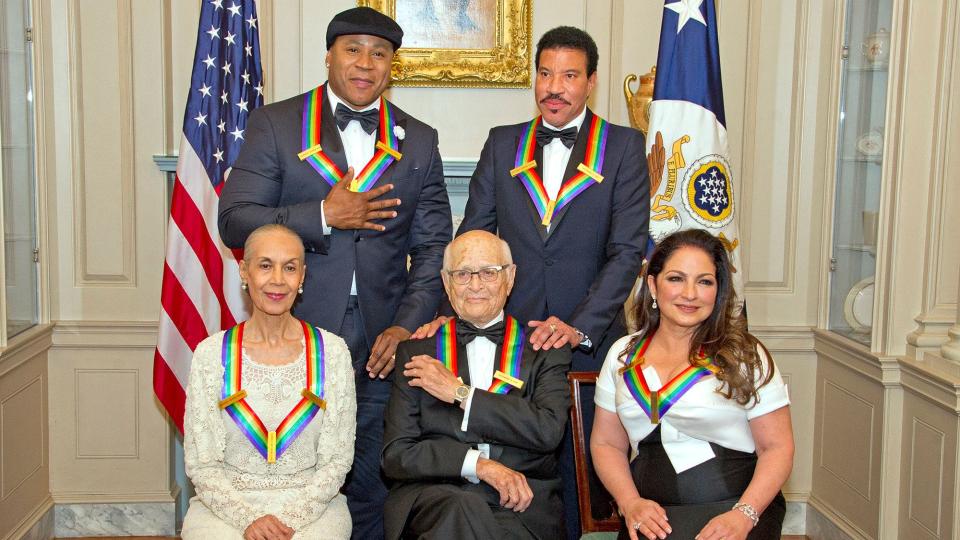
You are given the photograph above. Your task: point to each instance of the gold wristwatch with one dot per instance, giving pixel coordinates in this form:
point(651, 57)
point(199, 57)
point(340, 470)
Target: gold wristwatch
point(461, 393)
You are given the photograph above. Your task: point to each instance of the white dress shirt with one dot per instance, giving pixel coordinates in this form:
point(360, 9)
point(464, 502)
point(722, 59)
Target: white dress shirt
point(556, 155)
point(358, 145)
point(481, 361)
point(700, 417)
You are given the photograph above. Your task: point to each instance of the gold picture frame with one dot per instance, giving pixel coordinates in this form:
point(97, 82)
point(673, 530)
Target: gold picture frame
point(494, 38)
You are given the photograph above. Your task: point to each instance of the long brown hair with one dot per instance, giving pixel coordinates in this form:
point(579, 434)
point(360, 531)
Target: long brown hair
point(723, 335)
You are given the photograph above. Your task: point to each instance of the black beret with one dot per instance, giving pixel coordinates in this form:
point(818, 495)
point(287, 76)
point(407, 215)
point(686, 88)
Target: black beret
point(367, 21)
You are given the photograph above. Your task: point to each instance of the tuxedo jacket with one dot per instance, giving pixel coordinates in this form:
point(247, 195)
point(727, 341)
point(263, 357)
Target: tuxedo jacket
point(582, 269)
point(270, 184)
point(423, 443)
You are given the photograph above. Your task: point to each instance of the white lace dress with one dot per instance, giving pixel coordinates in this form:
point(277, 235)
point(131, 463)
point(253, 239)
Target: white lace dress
point(235, 485)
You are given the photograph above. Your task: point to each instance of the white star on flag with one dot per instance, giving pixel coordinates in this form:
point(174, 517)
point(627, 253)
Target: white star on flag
point(218, 4)
point(224, 97)
point(214, 32)
point(205, 90)
point(245, 77)
point(687, 9)
point(252, 22)
point(222, 126)
point(259, 89)
point(234, 9)
point(201, 119)
point(230, 38)
point(243, 105)
point(226, 68)
point(237, 134)
point(210, 60)
point(218, 155)
point(249, 49)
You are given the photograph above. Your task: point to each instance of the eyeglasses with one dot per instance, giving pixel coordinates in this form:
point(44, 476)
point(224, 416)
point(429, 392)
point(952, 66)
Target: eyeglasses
point(487, 273)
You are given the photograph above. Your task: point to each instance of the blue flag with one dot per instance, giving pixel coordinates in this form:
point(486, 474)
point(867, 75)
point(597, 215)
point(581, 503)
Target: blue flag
point(691, 180)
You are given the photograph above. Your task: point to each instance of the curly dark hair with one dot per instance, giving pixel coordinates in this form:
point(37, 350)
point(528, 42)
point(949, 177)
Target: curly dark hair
point(569, 37)
point(723, 335)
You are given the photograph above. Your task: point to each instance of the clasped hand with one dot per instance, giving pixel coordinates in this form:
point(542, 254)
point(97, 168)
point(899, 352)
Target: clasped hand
point(268, 527)
point(345, 209)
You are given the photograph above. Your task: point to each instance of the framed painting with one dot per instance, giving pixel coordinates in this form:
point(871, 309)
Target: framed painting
point(461, 43)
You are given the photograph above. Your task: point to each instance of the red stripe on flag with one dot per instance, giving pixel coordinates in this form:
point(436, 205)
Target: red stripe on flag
point(188, 218)
point(168, 390)
point(176, 302)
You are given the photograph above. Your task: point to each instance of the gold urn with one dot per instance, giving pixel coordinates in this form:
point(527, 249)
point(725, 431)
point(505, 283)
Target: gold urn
point(638, 103)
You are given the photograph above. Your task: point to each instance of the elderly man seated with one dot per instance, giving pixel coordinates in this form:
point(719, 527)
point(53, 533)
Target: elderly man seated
point(476, 415)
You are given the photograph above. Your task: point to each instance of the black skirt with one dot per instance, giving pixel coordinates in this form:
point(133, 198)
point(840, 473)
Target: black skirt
point(697, 495)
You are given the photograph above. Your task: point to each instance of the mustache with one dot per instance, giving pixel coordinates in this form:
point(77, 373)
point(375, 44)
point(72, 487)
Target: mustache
point(554, 96)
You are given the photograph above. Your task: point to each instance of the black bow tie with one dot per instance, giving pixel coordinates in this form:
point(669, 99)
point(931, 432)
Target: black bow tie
point(467, 332)
point(567, 136)
point(368, 119)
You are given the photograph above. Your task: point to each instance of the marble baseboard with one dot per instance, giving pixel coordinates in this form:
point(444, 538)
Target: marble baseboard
point(821, 527)
point(121, 519)
point(42, 529)
point(795, 521)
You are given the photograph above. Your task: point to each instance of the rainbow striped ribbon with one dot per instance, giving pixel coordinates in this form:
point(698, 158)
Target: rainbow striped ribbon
point(588, 171)
point(272, 444)
point(656, 403)
point(511, 354)
point(387, 147)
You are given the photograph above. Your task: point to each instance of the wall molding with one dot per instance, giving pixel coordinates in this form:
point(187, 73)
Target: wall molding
point(25, 347)
point(933, 379)
point(105, 335)
point(821, 513)
point(87, 497)
point(856, 357)
point(125, 276)
point(787, 285)
point(38, 514)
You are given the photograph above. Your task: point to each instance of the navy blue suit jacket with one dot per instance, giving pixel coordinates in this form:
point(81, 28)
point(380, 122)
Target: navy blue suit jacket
point(583, 269)
point(269, 184)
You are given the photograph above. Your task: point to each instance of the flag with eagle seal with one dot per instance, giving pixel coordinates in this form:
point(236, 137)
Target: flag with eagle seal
point(691, 182)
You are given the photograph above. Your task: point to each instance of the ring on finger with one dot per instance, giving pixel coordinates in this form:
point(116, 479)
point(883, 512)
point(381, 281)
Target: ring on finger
point(553, 327)
point(636, 526)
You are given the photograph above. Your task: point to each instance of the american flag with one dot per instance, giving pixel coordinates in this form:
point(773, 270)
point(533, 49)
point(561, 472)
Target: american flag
point(201, 284)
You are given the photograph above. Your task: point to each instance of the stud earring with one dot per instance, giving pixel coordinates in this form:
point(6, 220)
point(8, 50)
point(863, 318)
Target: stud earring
point(654, 303)
point(243, 285)
point(300, 290)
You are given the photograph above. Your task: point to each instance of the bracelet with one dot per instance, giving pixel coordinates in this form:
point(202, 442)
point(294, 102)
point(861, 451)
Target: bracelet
point(748, 511)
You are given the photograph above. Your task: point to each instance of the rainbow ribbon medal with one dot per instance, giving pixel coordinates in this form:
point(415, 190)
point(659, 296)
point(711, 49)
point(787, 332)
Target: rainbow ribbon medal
point(588, 171)
point(272, 444)
point(447, 345)
point(656, 403)
point(387, 147)
point(511, 353)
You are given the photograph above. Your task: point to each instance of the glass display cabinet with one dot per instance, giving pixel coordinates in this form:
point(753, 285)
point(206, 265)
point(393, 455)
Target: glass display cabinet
point(19, 296)
point(865, 59)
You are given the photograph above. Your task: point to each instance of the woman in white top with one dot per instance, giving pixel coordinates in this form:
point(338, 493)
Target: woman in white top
point(697, 406)
point(270, 413)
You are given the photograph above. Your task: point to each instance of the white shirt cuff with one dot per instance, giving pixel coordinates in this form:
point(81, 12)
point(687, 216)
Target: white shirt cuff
point(469, 468)
point(466, 410)
point(323, 221)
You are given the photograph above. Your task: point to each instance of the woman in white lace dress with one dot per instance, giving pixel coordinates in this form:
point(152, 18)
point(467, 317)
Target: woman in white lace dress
point(270, 414)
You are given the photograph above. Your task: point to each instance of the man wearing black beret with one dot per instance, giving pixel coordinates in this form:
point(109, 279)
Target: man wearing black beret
point(361, 182)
